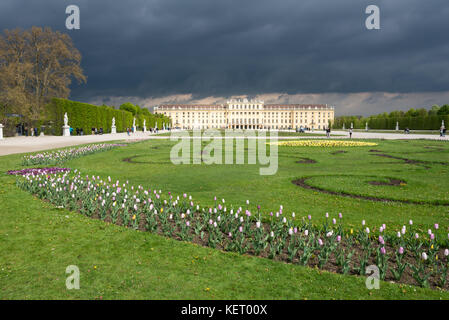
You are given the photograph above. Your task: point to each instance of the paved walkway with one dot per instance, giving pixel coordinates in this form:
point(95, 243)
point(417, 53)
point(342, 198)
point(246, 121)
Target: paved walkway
point(31, 144)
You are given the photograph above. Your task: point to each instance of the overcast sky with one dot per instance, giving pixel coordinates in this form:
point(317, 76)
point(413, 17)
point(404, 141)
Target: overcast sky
point(297, 51)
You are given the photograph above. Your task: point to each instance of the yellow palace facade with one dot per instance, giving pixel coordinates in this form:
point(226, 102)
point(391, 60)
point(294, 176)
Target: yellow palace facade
point(248, 114)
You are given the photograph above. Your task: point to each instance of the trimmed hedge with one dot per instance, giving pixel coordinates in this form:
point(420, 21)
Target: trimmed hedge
point(88, 116)
point(413, 123)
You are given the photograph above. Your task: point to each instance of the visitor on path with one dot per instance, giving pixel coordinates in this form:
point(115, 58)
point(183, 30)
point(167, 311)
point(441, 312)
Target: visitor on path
point(350, 133)
point(35, 131)
point(442, 131)
point(127, 131)
point(71, 131)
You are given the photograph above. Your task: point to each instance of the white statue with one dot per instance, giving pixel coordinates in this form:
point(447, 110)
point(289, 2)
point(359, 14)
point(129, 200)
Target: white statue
point(65, 127)
point(113, 121)
point(134, 122)
point(144, 122)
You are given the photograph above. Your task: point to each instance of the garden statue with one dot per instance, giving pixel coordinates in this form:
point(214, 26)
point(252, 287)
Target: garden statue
point(66, 127)
point(113, 127)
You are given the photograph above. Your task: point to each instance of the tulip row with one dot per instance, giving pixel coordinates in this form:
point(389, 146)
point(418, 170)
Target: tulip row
point(328, 245)
point(37, 171)
point(324, 143)
point(60, 156)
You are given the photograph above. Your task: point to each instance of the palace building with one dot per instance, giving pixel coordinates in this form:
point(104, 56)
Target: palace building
point(248, 114)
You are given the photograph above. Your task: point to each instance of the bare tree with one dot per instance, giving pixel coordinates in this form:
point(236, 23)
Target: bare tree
point(35, 66)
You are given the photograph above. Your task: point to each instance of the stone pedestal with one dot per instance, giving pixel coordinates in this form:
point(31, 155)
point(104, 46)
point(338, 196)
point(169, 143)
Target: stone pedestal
point(113, 129)
point(66, 131)
point(42, 134)
point(134, 129)
point(144, 129)
point(1, 131)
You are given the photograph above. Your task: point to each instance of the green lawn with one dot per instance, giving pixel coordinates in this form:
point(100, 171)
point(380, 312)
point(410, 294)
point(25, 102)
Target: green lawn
point(38, 241)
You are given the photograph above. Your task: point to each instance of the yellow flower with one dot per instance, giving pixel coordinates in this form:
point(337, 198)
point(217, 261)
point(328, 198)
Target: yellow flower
point(162, 210)
point(323, 143)
point(436, 257)
point(134, 217)
point(352, 231)
point(431, 247)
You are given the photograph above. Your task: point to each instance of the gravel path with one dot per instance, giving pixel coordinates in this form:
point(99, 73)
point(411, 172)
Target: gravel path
point(31, 144)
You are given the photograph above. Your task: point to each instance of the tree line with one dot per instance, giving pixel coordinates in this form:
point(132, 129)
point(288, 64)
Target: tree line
point(417, 119)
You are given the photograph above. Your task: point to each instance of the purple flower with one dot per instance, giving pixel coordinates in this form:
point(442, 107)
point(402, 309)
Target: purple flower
point(382, 250)
point(401, 250)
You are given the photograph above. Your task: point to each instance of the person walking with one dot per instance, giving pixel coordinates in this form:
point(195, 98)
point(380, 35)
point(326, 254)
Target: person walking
point(442, 131)
point(350, 133)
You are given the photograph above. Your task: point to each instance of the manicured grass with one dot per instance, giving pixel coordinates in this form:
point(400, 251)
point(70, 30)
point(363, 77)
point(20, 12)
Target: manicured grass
point(38, 241)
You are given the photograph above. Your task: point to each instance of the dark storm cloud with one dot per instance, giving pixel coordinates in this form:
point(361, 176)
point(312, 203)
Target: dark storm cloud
point(229, 47)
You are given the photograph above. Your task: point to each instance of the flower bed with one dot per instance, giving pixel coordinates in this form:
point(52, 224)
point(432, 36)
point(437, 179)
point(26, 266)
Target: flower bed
point(37, 171)
point(60, 156)
point(403, 256)
point(324, 143)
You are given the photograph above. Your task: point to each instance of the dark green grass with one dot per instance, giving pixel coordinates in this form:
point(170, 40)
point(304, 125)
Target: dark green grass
point(38, 241)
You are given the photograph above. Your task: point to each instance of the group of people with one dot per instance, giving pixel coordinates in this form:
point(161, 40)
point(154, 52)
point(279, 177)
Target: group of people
point(97, 131)
point(23, 130)
point(131, 130)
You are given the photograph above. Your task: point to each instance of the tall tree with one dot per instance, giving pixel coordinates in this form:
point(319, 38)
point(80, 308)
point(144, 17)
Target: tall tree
point(35, 66)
